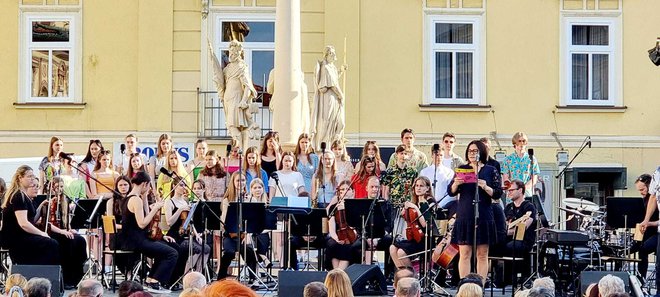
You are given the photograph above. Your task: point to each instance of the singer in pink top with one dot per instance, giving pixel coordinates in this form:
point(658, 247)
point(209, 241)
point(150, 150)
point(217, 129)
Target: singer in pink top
point(233, 162)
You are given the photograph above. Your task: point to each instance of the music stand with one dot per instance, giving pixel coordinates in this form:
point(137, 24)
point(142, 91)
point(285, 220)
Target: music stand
point(540, 210)
point(310, 224)
point(37, 200)
point(84, 216)
point(253, 214)
point(358, 209)
point(208, 213)
point(624, 212)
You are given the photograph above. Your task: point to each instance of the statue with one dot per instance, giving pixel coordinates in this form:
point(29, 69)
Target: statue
point(304, 104)
point(237, 93)
point(329, 102)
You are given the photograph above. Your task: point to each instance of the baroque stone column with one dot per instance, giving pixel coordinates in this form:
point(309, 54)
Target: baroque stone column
point(287, 99)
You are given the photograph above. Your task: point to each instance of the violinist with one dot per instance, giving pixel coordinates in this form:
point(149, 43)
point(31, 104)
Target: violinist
point(177, 210)
point(136, 217)
point(230, 242)
point(416, 223)
point(340, 248)
point(54, 212)
point(28, 245)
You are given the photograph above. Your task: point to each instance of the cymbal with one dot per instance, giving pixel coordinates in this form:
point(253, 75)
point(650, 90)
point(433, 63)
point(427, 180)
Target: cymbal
point(581, 204)
point(572, 211)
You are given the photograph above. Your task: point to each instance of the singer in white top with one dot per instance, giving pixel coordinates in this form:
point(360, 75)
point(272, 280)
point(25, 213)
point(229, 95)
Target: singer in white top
point(440, 177)
point(127, 149)
point(286, 179)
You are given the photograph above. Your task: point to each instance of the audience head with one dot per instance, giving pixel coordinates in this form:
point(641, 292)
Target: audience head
point(228, 288)
point(522, 293)
point(191, 292)
point(403, 272)
point(38, 287)
point(338, 284)
point(127, 288)
point(544, 282)
point(541, 292)
point(141, 294)
point(469, 290)
point(472, 278)
point(592, 290)
point(195, 280)
point(15, 280)
point(89, 288)
point(620, 294)
point(315, 289)
point(408, 287)
point(610, 284)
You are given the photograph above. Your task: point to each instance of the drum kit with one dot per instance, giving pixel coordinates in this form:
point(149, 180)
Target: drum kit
point(565, 254)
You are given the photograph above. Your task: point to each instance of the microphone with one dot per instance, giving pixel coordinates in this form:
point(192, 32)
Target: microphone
point(228, 149)
point(530, 152)
point(275, 177)
point(65, 156)
point(436, 148)
point(122, 148)
point(323, 146)
point(164, 170)
point(589, 141)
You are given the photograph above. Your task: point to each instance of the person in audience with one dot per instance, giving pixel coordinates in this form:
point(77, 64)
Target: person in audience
point(228, 288)
point(359, 180)
point(610, 284)
point(89, 288)
point(124, 162)
point(408, 287)
point(472, 278)
point(141, 294)
point(253, 168)
point(371, 150)
point(104, 175)
point(415, 158)
point(136, 164)
point(338, 284)
point(402, 272)
point(17, 283)
point(191, 292)
point(38, 287)
point(315, 289)
point(128, 287)
point(592, 291)
point(89, 162)
point(622, 294)
point(545, 282)
point(196, 165)
point(450, 159)
point(342, 161)
point(541, 292)
point(470, 290)
point(214, 176)
point(271, 153)
point(522, 293)
point(306, 160)
point(194, 280)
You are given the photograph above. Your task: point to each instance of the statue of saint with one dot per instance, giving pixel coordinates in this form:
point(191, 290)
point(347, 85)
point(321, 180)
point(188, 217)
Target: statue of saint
point(237, 97)
point(328, 114)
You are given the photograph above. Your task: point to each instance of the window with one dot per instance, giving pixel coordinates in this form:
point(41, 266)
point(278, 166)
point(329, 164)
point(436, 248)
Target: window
point(50, 58)
point(592, 62)
point(454, 74)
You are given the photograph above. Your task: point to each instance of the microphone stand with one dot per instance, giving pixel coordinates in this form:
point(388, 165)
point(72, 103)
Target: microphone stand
point(584, 144)
point(475, 203)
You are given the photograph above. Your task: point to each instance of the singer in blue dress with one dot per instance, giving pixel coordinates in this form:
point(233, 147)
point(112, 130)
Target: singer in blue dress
point(489, 186)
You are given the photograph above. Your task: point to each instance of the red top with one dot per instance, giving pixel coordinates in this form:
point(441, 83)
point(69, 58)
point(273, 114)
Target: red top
point(360, 186)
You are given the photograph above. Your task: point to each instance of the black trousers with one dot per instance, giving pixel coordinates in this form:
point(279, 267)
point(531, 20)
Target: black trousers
point(182, 258)
point(33, 249)
point(73, 254)
point(521, 250)
point(645, 248)
point(229, 249)
point(165, 259)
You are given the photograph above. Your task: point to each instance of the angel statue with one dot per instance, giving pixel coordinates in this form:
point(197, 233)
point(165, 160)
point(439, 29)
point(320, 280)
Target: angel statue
point(237, 93)
point(327, 120)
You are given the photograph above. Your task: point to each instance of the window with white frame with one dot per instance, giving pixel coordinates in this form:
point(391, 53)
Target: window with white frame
point(591, 60)
point(50, 56)
point(257, 34)
point(454, 75)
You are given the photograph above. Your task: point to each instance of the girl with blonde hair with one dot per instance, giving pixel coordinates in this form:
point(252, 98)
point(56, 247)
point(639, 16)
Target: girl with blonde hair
point(338, 284)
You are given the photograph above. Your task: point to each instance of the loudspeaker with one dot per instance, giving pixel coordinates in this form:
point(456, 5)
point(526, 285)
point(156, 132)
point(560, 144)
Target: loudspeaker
point(367, 280)
point(51, 272)
point(292, 283)
point(593, 277)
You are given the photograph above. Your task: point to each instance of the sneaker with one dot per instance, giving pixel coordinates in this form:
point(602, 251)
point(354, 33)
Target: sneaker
point(156, 288)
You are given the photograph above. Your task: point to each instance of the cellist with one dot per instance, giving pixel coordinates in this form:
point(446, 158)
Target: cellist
point(342, 238)
point(416, 223)
point(73, 253)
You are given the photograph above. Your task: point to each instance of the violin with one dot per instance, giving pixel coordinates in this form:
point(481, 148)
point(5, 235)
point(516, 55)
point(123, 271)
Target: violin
point(183, 217)
point(413, 228)
point(344, 231)
point(506, 185)
point(155, 233)
point(51, 213)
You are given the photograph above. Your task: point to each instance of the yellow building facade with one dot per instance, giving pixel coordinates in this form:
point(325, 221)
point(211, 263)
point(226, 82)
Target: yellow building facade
point(576, 68)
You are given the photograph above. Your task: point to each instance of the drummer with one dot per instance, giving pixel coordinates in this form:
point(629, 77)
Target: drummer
point(649, 242)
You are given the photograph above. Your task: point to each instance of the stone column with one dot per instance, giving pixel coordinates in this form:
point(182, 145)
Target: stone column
point(287, 98)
